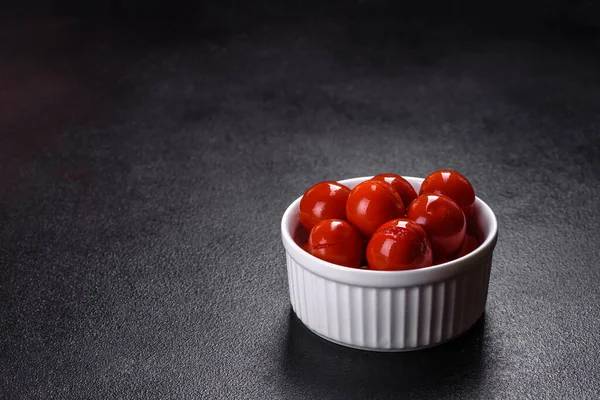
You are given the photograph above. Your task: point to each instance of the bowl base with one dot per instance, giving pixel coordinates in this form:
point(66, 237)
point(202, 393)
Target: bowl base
point(390, 350)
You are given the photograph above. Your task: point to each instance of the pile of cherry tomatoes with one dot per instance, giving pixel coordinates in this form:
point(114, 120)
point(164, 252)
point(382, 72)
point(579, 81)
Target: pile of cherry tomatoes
point(385, 224)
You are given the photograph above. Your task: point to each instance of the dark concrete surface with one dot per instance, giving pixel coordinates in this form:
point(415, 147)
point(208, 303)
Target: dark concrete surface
point(145, 165)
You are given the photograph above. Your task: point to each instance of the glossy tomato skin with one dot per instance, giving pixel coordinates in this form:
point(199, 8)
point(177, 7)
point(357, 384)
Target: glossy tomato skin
point(337, 242)
point(442, 219)
point(372, 203)
point(453, 185)
point(325, 200)
point(399, 245)
point(401, 186)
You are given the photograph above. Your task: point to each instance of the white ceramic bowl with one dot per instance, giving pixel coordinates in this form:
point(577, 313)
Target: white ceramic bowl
point(389, 310)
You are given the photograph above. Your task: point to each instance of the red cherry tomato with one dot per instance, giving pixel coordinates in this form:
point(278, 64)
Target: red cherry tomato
point(399, 244)
point(401, 186)
point(468, 245)
point(337, 242)
point(453, 185)
point(371, 204)
point(442, 219)
point(325, 200)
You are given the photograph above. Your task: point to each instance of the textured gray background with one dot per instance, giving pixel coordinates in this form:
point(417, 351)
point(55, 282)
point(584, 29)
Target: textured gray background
point(145, 167)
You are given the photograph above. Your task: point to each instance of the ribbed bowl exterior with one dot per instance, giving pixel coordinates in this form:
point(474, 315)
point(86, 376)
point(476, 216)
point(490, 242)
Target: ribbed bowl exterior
point(389, 310)
point(392, 319)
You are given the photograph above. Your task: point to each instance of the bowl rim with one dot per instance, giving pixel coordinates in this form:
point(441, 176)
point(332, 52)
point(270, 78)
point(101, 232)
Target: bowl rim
point(389, 279)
